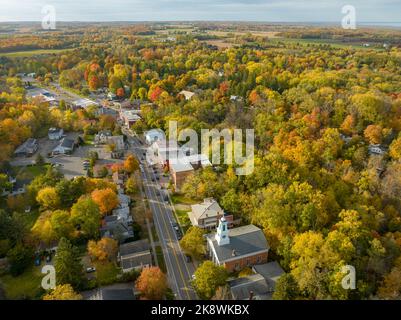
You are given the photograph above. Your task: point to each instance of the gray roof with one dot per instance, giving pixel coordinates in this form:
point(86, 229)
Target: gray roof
point(117, 294)
point(241, 288)
point(68, 143)
point(209, 208)
point(134, 247)
point(271, 271)
point(137, 261)
point(27, 147)
point(243, 240)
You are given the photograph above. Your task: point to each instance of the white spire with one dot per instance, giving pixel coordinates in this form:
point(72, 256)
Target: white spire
point(222, 237)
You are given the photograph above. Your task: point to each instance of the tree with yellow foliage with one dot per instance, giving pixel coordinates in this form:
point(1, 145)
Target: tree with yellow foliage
point(102, 250)
point(48, 198)
point(131, 164)
point(63, 292)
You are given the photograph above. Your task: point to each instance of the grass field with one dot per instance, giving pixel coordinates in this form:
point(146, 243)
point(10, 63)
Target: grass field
point(18, 54)
point(25, 286)
point(160, 258)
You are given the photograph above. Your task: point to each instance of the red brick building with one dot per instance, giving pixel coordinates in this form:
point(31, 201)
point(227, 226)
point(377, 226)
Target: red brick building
point(237, 248)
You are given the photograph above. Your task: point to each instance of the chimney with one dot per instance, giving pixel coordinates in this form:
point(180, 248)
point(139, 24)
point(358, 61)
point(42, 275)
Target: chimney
point(251, 294)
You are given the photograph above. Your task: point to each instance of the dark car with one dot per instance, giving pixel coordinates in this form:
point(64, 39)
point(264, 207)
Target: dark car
point(37, 261)
point(48, 258)
point(188, 258)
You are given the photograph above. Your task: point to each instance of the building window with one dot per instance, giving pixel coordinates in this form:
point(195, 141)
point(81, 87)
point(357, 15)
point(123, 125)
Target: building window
point(236, 266)
point(259, 259)
point(248, 262)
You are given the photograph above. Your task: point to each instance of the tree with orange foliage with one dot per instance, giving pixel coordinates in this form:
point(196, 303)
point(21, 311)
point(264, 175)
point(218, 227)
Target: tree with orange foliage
point(94, 82)
point(120, 92)
point(131, 164)
point(348, 125)
point(106, 199)
point(102, 250)
point(152, 283)
point(373, 134)
point(155, 94)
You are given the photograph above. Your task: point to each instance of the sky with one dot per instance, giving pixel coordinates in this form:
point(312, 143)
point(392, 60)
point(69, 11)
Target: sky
point(189, 10)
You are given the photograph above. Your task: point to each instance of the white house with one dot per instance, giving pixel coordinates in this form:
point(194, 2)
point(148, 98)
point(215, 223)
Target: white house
point(154, 135)
point(187, 94)
point(65, 147)
point(55, 133)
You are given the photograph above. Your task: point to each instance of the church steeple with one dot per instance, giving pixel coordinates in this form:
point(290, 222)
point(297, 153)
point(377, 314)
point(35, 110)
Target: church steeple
point(222, 237)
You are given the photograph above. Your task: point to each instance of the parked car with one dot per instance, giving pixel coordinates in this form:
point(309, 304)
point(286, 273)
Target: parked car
point(37, 261)
point(48, 258)
point(90, 270)
point(188, 258)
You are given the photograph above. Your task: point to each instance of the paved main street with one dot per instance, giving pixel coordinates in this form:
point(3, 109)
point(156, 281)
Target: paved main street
point(178, 270)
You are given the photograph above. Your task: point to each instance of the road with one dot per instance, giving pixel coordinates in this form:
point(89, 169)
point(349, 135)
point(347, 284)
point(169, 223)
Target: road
point(178, 270)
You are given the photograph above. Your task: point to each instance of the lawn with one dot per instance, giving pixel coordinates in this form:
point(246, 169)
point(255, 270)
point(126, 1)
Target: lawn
point(160, 259)
point(25, 286)
point(31, 53)
point(178, 198)
point(106, 273)
point(183, 218)
point(88, 139)
point(30, 172)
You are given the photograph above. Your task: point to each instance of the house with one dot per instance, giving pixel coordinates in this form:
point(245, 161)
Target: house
point(117, 141)
point(55, 133)
point(187, 94)
point(128, 104)
point(102, 136)
point(252, 287)
point(117, 228)
point(112, 294)
point(83, 103)
point(27, 149)
point(184, 166)
point(17, 187)
point(135, 255)
point(154, 135)
point(377, 149)
point(271, 272)
point(207, 215)
point(118, 179)
point(111, 96)
point(237, 248)
point(65, 147)
point(162, 150)
point(235, 98)
point(129, 117)
point(119, 146)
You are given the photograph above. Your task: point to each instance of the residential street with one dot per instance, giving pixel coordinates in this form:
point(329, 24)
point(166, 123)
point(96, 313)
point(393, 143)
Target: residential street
point(179, 271)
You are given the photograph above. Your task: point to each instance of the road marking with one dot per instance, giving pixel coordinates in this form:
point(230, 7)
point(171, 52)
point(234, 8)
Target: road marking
point(171, 241)
point(151, 191)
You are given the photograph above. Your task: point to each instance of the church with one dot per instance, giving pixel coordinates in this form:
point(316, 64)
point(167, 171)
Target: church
point(237, 248)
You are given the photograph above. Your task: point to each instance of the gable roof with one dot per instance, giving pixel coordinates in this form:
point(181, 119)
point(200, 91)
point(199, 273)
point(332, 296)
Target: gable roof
point(134, 247)
point(242, 288)
point(271, 271)
point(209, 208)
point(244, 241)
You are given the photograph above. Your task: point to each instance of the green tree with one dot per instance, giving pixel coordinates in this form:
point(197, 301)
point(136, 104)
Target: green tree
point(67, 262)
point(286, 288)
point(208, 277)
point(86, 216)
point(193, 242)
point(20, 258)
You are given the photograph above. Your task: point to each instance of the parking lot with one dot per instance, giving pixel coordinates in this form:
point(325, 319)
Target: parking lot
point(69, 165)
